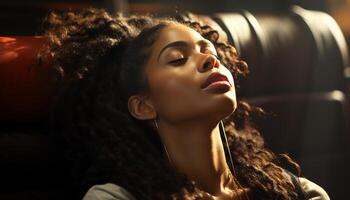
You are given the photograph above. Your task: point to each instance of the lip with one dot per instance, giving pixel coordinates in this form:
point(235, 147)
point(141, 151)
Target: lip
point(217, 78)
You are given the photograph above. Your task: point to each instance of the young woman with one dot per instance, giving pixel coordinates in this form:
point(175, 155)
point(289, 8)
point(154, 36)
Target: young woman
point(143, 107)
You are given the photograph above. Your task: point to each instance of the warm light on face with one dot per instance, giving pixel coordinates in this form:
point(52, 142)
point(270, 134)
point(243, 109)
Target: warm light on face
point(176, 71)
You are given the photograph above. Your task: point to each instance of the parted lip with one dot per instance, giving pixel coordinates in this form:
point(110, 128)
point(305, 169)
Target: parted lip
point(214, 77)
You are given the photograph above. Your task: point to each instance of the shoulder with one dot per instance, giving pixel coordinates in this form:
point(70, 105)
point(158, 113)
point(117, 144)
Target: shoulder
point(108, 191)
point(312, 190)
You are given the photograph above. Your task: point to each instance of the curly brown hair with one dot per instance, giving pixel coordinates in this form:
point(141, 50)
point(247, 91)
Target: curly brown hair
point(98, 61)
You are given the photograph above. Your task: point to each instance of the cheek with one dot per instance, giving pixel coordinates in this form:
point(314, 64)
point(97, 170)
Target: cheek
point(176, 95)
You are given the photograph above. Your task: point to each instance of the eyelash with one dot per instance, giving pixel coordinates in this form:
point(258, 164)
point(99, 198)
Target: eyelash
point(183, 60)
point(178, 62)
point(216, 56)
point(210, 52)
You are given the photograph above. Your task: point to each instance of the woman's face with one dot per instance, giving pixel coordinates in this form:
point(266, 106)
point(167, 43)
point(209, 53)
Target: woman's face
point(180, 63)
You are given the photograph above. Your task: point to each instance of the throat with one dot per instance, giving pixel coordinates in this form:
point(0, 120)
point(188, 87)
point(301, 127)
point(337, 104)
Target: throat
point(200, 156)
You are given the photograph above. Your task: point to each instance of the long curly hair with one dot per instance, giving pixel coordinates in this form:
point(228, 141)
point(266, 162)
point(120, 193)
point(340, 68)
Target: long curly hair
point(98, 62)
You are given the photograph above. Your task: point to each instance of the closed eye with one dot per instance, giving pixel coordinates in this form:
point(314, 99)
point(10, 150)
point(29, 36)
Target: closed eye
point(209, 51)
point(178, 62)
point(216, 56)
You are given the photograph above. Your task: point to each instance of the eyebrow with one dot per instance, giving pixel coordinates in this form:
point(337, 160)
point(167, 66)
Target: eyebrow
point(183, 44)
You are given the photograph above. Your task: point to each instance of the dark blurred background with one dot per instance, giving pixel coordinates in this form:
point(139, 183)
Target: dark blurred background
point(24, 16)
point(299, 73)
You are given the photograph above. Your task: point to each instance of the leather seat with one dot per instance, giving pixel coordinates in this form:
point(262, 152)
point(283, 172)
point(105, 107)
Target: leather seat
point(313, 129)
point(297, 64)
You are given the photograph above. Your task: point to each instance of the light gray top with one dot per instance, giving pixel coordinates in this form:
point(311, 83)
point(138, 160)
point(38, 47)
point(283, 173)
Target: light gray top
point(313, 191)
point(110, 191)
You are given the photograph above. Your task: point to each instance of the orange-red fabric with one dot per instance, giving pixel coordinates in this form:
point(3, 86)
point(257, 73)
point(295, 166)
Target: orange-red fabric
point(26, 88)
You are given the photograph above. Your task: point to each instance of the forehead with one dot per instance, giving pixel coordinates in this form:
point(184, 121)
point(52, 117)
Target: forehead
point(177, 32)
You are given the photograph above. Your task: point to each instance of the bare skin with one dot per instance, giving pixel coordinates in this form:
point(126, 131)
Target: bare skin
point(186, 114)
point(201, 158)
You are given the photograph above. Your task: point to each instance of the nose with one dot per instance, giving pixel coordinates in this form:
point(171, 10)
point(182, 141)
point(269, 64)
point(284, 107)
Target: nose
point(209, 62)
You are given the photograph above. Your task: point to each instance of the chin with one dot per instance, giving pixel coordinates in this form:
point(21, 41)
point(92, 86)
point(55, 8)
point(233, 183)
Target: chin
point(227, 106)
point(231, 101)
point(232, 108)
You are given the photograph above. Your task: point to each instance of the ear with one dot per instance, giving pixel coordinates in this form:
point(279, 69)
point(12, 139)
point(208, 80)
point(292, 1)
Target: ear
point(141, 107)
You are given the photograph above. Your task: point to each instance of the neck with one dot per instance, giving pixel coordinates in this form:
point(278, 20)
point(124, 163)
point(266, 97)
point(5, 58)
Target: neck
point(198, 152)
